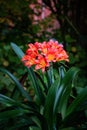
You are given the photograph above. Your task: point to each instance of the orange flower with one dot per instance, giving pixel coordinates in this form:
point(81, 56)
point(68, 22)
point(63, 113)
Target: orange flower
point(28, 60)
point(41, 63)
point(62, 56)
point(44, 48)
point(50, 56)
point(41, 54)
point(32, 50)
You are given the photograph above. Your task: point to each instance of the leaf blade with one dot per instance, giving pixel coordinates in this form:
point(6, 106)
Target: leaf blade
point(18, 84)
point(80, 99)
point(17, 50)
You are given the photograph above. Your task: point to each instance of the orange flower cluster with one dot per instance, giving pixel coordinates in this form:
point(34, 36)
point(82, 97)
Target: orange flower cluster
point(42, 54)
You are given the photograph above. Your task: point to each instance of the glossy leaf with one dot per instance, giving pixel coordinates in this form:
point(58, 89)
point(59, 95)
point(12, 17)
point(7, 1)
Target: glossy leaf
point(32, 75)
point(50, 75)
point(11, 113)
point(42, 81)
point(77, 103)
point(48, 109)
point(17, 50)
point(36, 86)
point(62, 72)
point(18, 84)
point(7, 101)
point(56, 101)
point(66, 85)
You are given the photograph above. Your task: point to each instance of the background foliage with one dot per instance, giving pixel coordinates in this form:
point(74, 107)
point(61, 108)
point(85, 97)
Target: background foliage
point(50, 89)
point(17, 25)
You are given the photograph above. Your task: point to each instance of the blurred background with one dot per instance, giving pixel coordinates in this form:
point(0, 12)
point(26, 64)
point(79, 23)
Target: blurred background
point(25, 21)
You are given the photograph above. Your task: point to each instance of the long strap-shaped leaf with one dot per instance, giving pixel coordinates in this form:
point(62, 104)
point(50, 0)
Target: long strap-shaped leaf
point(49, 104)
point(32, 75)
point(7, 101)
point(36, 85)
point(50, 76)
point(18, 84)
point(17, 50)
point(19, 110)
point(12, 113)
point(66, 86)
point(77, 103)
point(56, 98)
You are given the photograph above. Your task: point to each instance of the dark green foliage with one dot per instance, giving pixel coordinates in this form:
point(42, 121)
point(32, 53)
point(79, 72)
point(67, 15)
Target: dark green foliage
point(53, 107)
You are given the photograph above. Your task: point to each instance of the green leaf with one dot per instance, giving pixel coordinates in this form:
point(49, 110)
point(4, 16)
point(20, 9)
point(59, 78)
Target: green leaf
point(22, 124)
point(10, 102)
point(49, 103)
point(18, 84)
point(77, 103)
point(36, 86)
point(6, 100)
point(32, 75)
point(57, 97)
point(18, 109)
point(42, 81)
point(62, 72)
point(11, 114)
point(17, 50)
point(50, 76)
point(66, 85)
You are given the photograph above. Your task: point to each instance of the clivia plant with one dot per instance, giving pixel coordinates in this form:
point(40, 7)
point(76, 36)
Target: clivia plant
point(54, 105)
